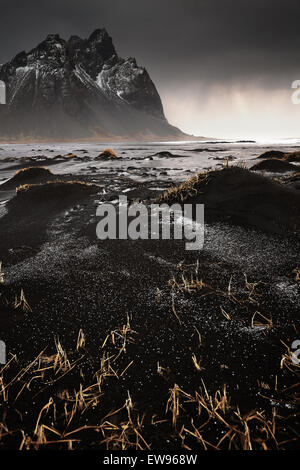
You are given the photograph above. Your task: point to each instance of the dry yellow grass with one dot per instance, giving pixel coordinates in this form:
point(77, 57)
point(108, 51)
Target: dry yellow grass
point(70, 406)
point(189, 188)
point(292, 157)
point(108, 153)
point(58, 421)
point(56, 185)
point(296, 272)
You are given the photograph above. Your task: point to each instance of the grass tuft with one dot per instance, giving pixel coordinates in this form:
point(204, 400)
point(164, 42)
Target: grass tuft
point(57, 186)
point(108, 154)
point(189, 188)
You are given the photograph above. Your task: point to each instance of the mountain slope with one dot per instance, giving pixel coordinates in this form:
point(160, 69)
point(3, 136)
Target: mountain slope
point(80, 88)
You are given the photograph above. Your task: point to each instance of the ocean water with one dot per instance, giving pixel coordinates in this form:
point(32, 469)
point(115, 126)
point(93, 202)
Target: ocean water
point(138, 160)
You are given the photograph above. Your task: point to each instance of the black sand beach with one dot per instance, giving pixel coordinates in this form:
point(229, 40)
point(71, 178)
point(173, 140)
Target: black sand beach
point(123, 344)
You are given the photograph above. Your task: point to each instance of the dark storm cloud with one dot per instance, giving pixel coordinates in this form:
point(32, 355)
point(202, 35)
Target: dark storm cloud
point(186, 39)
point(222, 67)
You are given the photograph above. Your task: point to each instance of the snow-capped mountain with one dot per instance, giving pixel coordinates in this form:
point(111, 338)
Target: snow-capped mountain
point(80, 88)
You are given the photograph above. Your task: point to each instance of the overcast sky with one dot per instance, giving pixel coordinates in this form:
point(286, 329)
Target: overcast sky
point(222, 67)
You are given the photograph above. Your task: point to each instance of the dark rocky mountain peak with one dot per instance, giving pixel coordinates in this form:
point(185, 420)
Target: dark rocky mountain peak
point(80, 88)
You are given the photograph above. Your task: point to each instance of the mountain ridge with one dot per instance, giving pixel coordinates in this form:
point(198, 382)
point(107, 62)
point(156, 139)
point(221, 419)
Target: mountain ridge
point(80, 88)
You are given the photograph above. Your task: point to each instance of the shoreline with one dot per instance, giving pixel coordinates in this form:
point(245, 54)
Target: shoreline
point(113, 139)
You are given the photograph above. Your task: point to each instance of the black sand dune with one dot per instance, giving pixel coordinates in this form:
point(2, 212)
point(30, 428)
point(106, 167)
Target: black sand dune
point(278, 154)
point(274, 165)
point(239, 196)
point(272, 154)
point(34, 206)
point(200, 150)
point(28, 175)
point(55, 194)
point(68, 157)
point(166, 154)
point(106, 155)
